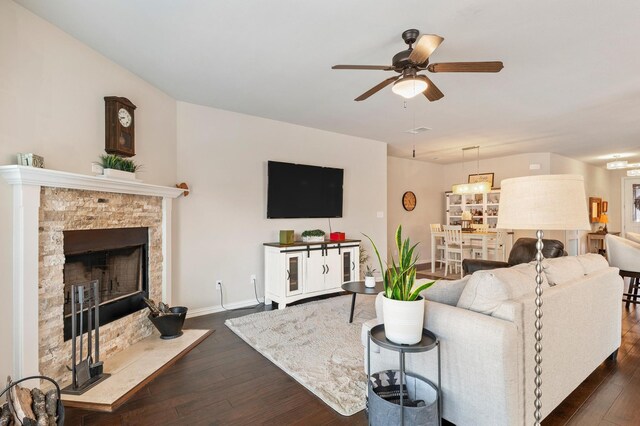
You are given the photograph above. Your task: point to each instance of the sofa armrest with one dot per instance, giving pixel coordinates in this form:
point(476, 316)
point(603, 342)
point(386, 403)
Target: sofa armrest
point(469, 266)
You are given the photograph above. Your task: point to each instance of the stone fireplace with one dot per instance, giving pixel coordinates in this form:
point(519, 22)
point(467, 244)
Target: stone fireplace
point(71, 228)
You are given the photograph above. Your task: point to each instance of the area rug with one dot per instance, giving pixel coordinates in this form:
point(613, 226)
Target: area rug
point(315, 344)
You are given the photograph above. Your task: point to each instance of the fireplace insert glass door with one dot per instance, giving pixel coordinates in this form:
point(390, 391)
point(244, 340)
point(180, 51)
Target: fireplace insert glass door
point(117, 259)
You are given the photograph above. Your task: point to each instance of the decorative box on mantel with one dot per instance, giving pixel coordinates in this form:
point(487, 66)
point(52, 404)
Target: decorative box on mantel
point(33, 335)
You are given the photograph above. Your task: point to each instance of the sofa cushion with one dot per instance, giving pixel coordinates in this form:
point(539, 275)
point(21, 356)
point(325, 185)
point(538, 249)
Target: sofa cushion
point(592, 262)
point(486, 290)
point(562, 269)
point(446, 291)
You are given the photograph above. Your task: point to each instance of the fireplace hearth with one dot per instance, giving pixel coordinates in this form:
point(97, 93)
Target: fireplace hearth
point(118, 260)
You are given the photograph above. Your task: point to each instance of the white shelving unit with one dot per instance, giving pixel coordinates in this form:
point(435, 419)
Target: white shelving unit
point(483, 207)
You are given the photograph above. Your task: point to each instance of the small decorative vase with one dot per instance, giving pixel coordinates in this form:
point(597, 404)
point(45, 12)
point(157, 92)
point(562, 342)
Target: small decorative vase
point(369, 282)
point(403, 321)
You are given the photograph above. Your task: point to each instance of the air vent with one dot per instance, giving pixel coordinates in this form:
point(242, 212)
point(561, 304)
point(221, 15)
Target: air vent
point(417, 130)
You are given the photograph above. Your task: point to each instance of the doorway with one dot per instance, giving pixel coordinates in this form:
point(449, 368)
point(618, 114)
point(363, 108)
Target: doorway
point(631, 205)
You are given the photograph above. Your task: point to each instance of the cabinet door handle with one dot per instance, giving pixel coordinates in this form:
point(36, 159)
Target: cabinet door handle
point(288, 275)
point(327, 269)
point(323, 270)
point(353, 266)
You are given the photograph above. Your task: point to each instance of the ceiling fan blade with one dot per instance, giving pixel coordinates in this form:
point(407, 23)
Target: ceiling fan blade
point(377, 88)
point(363, 67)
point(494, 66)
point(425, 46)
point(432, 92)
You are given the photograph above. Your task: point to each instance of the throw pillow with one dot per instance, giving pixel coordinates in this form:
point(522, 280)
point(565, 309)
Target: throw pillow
point(486, 290)
point(560, 270)
point(592, 262)
point(446, 291)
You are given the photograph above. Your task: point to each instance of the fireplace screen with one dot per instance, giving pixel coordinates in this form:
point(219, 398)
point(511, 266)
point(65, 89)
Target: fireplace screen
point(119, 273)
point(117, 259)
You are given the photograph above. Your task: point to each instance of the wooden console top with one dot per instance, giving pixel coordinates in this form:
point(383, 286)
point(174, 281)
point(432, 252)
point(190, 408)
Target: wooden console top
point(301, 243)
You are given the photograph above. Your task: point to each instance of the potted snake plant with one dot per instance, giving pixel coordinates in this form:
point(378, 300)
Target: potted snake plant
point(402, 305)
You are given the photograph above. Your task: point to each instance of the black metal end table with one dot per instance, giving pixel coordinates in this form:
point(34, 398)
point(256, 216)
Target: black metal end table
point(428, 342)
point(358, 287)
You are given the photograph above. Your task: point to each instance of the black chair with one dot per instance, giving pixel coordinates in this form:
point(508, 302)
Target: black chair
point(523, 251)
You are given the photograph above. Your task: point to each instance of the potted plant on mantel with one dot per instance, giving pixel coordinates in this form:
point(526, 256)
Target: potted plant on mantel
point(313, 236)
point(402, 305)
point(115, 167)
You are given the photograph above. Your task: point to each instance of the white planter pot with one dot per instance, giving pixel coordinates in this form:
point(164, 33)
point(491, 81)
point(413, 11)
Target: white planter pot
point(313, 239)
point(370, 282)
point(403, 321)
point(118, 174)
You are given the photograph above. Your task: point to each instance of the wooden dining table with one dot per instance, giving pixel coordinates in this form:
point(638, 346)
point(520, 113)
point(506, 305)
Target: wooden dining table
point(467, 237)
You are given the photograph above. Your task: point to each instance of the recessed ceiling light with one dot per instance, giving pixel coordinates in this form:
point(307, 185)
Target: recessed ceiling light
point(417, 130)
point(620, 164)
point(616, 156)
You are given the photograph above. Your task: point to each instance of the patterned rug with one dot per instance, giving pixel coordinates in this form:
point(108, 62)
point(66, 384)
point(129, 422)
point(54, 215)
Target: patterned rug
point(315, 344)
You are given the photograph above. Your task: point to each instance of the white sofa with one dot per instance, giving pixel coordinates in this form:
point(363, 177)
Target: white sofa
point(485, 323)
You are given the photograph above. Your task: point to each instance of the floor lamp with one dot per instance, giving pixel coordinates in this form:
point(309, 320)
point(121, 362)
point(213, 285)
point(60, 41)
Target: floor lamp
point(544, 202)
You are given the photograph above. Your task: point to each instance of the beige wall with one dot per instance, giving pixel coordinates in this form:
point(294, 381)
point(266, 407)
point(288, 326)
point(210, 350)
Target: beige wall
point(221, 226)
point(51, 103)
point(424, 179)
point(403, 173)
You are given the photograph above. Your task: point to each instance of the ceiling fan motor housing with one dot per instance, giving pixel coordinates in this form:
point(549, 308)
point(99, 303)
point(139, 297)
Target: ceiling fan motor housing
point(410, 36)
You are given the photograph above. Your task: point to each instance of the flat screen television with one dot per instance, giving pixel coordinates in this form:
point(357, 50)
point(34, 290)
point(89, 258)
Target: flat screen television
point(302, 191)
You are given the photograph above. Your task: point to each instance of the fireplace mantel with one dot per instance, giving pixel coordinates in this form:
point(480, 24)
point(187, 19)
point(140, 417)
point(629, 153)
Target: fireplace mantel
point(25, 175)
point(27, 183)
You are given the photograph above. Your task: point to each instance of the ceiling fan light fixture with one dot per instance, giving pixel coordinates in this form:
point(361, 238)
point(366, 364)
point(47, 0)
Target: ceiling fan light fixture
point(409, 87)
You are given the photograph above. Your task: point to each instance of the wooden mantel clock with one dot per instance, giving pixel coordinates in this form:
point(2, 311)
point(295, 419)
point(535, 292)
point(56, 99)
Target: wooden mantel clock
point(119, 126)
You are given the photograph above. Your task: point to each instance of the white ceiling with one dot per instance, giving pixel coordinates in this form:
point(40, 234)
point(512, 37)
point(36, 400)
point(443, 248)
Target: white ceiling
point(571, 82)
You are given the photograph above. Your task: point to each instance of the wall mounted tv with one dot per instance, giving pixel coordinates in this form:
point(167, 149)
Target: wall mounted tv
point(302, 191)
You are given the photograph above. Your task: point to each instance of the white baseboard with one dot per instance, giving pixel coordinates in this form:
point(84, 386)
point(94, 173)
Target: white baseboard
point(218, 308)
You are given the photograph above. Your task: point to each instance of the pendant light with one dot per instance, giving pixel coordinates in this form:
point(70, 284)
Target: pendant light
point(471, 188)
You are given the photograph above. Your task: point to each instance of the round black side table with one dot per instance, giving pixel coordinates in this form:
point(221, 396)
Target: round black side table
point(358, 287)
point(428, 342)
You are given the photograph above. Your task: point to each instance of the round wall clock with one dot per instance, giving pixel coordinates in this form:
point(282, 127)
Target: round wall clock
point(409, 201)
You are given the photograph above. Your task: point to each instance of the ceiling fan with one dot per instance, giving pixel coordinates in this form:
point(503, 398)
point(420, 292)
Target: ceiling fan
point(408, 63)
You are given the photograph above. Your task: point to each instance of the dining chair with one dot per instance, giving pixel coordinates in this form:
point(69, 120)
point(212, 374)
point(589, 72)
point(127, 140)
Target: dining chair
point(480, 227)
point(440, 247)
point(454, 248)
point(498, 245)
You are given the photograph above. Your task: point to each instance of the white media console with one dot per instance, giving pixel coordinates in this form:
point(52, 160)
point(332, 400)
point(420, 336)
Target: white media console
point(296, 271)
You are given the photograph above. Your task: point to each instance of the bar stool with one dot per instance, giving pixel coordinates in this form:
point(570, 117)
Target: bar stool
point(625, 255)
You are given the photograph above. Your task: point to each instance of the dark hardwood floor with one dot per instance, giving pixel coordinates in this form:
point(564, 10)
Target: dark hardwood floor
point(224, 381)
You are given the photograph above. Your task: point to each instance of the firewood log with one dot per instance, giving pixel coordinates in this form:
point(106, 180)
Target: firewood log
point(51, 402)
point(164, 308)
point(38, 406)
point(21, 400)
point(5, 417)
point(152, 307)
